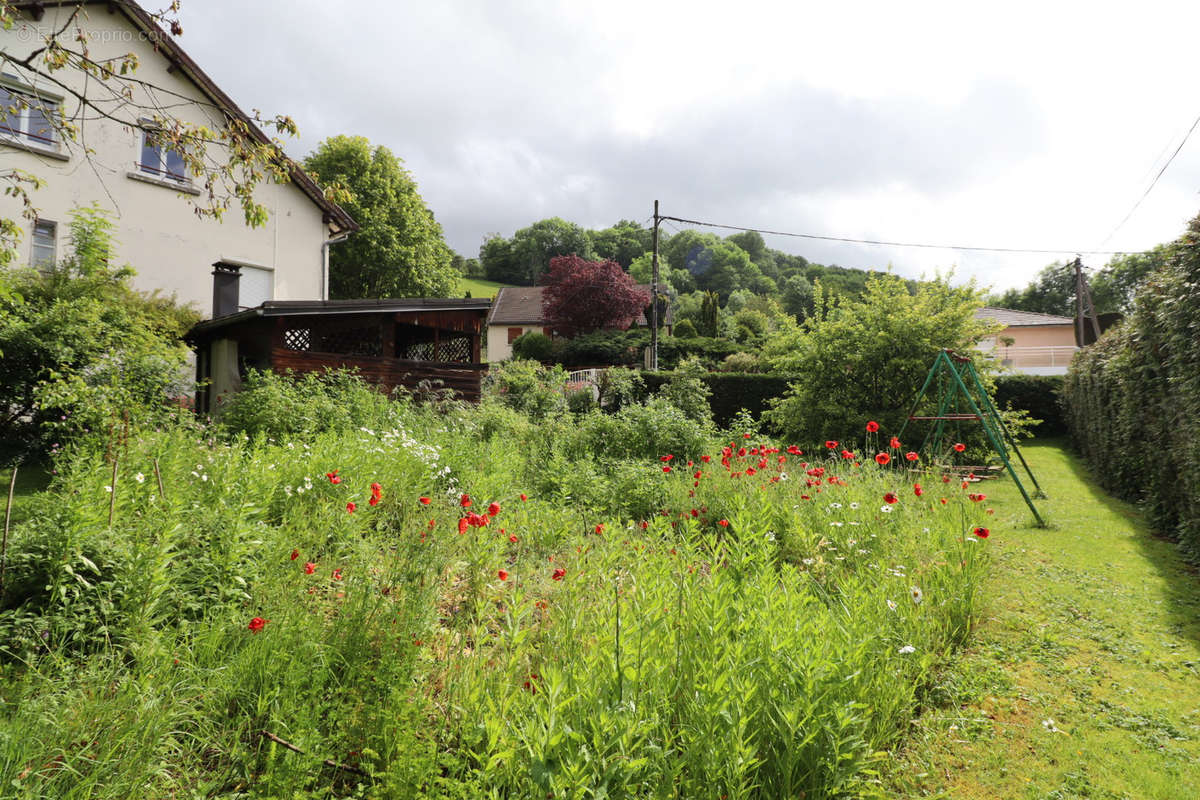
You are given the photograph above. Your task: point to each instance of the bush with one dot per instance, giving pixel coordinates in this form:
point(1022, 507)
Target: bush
point(685, 389)
point(281, 406)
point(641, 432)
point(535, 346)
point(604, 348)
point(1037, 394)
point(527, 387)
point(710, 351)
point(740, 362)
point(1133, 398)
point(685, 329)
point(732, 392)
point(82, 349)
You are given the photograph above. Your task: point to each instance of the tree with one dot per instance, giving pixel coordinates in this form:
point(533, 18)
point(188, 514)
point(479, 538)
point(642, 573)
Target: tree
point(621, 243)
point(1115, 287)
point(710, 315)
point(867, 359)
point(583, 296)
point(398, 251)
point(798, 296)
point(523, 259)
point(227, 154)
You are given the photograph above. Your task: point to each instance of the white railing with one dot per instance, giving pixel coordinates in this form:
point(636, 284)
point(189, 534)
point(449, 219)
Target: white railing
point(1044, 356)
point(584, 376)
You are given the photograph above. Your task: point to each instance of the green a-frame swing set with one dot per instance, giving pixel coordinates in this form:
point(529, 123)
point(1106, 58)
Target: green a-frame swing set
point(962, 398)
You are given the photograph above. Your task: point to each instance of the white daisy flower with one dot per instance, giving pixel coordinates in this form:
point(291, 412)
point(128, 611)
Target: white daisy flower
point(891, 605)
point(140, 478)
point(916, 594)
point(886, 509)
point(908, 648)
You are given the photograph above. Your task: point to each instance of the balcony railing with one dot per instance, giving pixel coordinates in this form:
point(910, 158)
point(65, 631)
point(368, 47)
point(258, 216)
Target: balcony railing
point(1044, 356)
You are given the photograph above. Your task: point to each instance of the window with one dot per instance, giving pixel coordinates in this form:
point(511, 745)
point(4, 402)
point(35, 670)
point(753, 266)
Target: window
point(256, 286)
point(513, 333)
point(42, 253)
point(27, 118)
point(160, 160)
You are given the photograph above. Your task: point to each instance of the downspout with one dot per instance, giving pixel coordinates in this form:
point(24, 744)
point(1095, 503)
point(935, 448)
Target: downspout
point(325, 262)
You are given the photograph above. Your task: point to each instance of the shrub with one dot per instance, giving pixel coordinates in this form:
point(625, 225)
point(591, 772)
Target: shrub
point(685, 389)
point(710, 351)
point(641, 432)
point(1133, 398)
point(603, 348)
point(685, 329)
point(281, 406)
point(617, 387)
point(740, 362)
point(732, 392)
point(527, 387)
point(1039, 395)
point(535, 346)
point(81, 348)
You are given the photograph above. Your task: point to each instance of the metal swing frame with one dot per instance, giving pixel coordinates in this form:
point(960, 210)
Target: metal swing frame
point(957, 379)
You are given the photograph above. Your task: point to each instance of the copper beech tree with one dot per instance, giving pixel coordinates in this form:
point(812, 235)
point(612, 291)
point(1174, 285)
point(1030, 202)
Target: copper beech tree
point(583, 296)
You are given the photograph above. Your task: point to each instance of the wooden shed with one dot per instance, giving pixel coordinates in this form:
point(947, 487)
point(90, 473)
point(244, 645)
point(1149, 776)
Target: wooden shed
point(390, 342)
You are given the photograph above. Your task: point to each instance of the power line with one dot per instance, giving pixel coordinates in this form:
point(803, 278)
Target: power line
point(903, 244)
point(1146, 193)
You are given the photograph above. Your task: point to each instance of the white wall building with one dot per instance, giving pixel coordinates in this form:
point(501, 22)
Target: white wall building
point(143, 188)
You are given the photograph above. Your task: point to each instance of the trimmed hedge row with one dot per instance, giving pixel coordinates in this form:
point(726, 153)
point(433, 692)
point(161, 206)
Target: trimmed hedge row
point(1133, 399)
point(1037, 394)
point(732, 391)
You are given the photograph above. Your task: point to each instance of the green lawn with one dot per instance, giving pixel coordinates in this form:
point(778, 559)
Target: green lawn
point(30, 481)
point(1082, 677)
point(481, 288)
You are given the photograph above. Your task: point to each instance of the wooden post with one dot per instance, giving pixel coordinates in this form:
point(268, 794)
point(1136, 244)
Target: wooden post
point(112, 491)
point(12, 486)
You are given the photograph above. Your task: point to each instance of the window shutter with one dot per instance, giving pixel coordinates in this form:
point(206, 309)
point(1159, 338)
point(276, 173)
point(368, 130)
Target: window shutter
point(257, 285)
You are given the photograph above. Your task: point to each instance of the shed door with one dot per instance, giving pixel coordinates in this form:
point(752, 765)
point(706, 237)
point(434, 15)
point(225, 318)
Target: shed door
point(256, 286)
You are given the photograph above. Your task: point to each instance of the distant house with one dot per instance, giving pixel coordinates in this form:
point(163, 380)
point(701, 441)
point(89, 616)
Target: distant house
point(144, 185)
point(1031, 343)
point(518, 310)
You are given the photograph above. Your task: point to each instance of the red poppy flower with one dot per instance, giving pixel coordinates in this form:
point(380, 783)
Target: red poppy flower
point(493, 509)
point(309, 568)
point(558, 574)
point(917, 490)
point(724, 523)
point(667, 457)
point(959, 447)
point(531, 683)
point(337, 574)
point(832, 445)
point(882, 459)
point(745, 436)
point(502, 575)
point(350, 507)
point(894, 443)
point(911, 456)
point(977, 498)
point(982, 533)
point(374, 501)
point(257, 624)
point(599, 528)
point(523, 498)
point(750, 470)
point(943, 501)
point(376, 489)
point(645, 524)
point(890, 498)
point(872, 426)
point(462, 525)
point(741, 452)
point(465, 501)
point(295, 554)
point(795, 451)
point(666, 469)
point(945, 479)
point(695, 513)
point(425, 501)
point(512, 538)
point(333, 477)
point(846, 454)
point(706, 459)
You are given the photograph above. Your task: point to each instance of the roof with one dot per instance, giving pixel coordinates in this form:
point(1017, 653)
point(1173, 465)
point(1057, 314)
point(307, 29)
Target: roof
point(1014, 319)
point(522, 305)
point(175, 54)
point(289, 308)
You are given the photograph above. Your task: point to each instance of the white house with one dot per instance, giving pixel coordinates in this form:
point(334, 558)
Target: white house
point(144, 187)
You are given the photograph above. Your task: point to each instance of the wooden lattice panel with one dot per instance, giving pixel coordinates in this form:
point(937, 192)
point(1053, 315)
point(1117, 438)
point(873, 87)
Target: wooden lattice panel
point(457, 349)
point(360, 341)
point(418, 351)
point(298, 339)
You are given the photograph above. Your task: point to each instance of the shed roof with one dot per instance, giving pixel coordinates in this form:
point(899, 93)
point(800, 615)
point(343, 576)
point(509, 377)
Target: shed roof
point(1014, 318)
point(286, 308)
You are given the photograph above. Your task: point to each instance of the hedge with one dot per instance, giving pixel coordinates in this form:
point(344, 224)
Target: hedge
point(732, 391)
point(1037, 394)
point(1133, 398)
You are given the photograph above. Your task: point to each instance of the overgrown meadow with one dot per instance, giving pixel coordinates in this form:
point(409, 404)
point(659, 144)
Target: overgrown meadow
point(451, 601)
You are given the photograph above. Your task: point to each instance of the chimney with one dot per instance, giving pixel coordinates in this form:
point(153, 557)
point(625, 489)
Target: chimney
point(225, 288)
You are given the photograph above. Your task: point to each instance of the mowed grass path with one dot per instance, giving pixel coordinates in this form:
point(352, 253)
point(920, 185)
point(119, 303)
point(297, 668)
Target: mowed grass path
point(1083, 677)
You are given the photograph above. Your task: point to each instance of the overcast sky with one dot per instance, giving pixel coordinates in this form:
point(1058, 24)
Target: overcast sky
point(1031, 125)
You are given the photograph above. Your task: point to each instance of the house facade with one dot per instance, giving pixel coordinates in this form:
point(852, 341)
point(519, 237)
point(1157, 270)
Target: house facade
point(1031, 343)
point(518, 310)
point(143, 186)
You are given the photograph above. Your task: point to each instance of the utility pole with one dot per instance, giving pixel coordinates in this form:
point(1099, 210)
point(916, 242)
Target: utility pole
point(654, 296)
point(1085, 309)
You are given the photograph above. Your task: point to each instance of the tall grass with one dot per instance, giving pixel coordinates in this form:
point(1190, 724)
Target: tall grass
point(762, 630)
